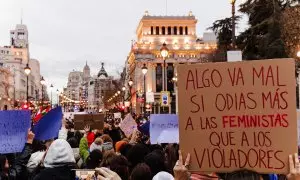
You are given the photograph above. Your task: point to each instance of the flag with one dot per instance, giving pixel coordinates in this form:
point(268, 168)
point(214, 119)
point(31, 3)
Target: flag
point(42, 112)
point(49, 125)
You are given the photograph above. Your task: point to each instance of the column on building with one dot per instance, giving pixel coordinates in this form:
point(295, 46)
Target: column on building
point(138, 84)
point(153, 74)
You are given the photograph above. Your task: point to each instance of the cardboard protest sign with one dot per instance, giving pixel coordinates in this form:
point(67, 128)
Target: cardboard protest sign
point(70, 115)
point(238, 115)
point(49, 126)
point(95, 121)
point(128, 125)
point(298, 120)
point(164, 128)
point(14, 126)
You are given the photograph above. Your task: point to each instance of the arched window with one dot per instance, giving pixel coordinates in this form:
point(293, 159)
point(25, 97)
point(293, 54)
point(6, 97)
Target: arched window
point(159, 79)
point(163, 29)
point(157, 30)
point(175, 30)
point(186, 30)
point(169, 30)
point(152, 30)
point(181, 30)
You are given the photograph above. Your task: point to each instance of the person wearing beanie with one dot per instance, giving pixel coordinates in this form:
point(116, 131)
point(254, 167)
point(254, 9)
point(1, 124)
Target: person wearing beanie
point(119, 145)
point(59, 162)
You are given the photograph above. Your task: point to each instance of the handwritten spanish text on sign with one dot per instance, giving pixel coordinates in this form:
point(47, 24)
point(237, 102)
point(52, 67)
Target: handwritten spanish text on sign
point(14, 126)
point(164, 128)
point(238, 115)
point(128, 125)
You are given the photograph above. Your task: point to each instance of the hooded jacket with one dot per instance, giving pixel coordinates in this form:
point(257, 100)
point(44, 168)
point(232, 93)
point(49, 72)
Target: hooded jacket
point(18, 161)
point(94, 146)
point(35, 159)
point(59, 162)
point(84, 149)
point(163, 176)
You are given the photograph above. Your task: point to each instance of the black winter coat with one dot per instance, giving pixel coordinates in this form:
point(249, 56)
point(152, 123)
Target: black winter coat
point(57, 173)
point(18, 162)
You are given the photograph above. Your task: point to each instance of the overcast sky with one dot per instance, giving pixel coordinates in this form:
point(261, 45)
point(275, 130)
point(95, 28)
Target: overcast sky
point(63, 34)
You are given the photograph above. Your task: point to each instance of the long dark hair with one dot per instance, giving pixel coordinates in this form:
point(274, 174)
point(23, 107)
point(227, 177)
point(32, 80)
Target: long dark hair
point(2, 166)
point(94, 159)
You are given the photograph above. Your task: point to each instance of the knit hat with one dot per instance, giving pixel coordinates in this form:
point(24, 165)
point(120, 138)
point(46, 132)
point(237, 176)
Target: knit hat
point(59, 154)
point(163, 176)
point(119, 145)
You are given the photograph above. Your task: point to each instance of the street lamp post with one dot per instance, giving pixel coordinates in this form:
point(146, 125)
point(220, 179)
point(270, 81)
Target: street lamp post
point(164, 52)
point(57, 92)
point(144, 71)
point(123, 90)
point(233, 22)
point(51, 87)
point(130, 83)
point(43, 83)
point(175, 79)
point(27, 71)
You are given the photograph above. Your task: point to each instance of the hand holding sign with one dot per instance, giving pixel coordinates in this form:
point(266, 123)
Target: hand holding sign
point(294, 168)
point(181, 169)
point(30, 137)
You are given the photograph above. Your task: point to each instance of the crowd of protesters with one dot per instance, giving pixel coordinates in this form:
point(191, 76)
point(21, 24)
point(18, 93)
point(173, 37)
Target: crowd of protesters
point(112, 156)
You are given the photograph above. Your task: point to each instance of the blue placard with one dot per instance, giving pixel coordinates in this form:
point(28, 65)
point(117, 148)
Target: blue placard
point(49, 126)
point(164, 128)
point(14, 127)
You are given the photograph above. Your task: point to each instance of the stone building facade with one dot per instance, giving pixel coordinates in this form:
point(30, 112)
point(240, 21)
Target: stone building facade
point(14, 58)
point(185, 47)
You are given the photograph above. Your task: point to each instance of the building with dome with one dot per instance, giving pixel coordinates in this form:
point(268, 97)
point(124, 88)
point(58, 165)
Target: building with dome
point(85, 90)
point(98, 87)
